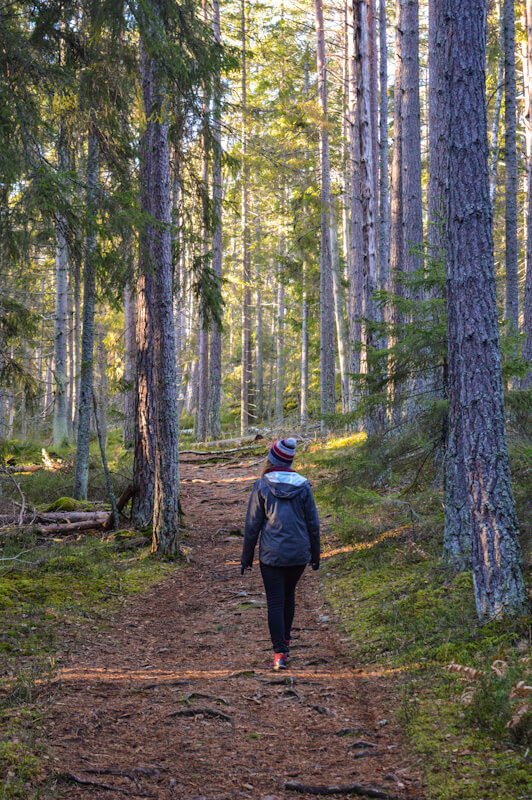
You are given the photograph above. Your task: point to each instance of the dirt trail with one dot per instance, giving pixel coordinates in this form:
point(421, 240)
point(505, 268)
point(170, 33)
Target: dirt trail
point(198, 643)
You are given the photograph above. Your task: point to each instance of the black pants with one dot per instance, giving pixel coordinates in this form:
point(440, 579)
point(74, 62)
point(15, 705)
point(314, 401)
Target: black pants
point(280, 584)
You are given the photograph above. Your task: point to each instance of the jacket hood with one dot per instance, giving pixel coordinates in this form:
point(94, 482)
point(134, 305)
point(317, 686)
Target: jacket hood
point(285, 484)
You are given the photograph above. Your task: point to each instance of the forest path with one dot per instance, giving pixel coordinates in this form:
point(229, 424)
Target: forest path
point(197, 643)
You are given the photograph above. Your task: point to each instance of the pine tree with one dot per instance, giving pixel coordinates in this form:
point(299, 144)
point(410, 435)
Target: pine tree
point(475, 383)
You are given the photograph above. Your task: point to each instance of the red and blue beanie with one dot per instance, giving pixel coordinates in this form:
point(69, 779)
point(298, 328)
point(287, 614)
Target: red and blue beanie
point(282, 453)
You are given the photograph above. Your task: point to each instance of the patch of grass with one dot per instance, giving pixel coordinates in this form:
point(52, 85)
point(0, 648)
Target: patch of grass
point(382, 497)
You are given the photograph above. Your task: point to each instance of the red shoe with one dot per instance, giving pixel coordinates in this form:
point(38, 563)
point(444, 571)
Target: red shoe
point(279, 661)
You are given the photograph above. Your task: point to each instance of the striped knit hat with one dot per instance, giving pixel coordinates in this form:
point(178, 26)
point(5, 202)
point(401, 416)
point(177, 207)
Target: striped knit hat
point(282, 453)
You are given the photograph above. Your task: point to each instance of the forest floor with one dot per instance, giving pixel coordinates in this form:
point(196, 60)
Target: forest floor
point(172, 697)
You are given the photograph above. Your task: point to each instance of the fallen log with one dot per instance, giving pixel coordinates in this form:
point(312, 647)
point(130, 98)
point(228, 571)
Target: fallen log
point(97, 521)
point(123, 500)
point(236, 440)
point(14, 468)
point(220, 453)
point(51, 517)
point(351, 788)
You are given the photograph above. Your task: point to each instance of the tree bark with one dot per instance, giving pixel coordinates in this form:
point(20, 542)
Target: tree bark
point(397, 249)
point(411, 137)
point(215, 355)
point(303, 410)
point(144, 455)
point(383, 151)
point(497, 111)
point(475, 382)
point(203, 332)
point(457, 528)
point(81, 476)
point(510, 151)
point(130, 354)
point(246, 265)
point(356, 259)
point(60, 423)
point(373, 71)
point(166, 495)
point(369, 197)
point(327, 349)
point(278, 413)
point(341, 334)
point(527, 299)
point(259, 366)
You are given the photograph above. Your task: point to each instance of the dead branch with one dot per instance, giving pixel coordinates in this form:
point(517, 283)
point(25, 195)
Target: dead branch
point(88, 782)
point(19, 490)
point(351, 788)
point(196, 712)
point(361, 743)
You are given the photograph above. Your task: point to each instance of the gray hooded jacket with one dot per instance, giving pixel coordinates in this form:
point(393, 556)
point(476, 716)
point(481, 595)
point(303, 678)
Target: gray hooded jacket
point(282, 510)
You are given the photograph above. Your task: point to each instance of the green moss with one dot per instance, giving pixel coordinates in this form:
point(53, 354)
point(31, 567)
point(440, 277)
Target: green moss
point(68, 504)
point(403, 611)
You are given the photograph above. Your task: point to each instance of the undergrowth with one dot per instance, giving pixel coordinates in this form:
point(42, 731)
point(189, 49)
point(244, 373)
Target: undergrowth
point(382, 507)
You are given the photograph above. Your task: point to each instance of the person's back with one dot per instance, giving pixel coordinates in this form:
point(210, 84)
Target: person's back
point(283, 513)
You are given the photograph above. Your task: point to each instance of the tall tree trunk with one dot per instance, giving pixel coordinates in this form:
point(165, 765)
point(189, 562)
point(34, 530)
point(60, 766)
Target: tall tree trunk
point(341, 333)
point(279, 347)
point(215, 355)
point(303, 410)
point(144, 455)
point(397, 261)
point(246, 264)
point(475, 382)
point(369, 197)
point(166, 496)
point(373, 71)
point(497, 111)
point(527, 299)
point(411, 136)
point(60, 423)
point(327, 349)
point(102, 395)
point(259, 366)
point(345, 145)
point(397, 249)
point(128, 432)
point(356, 258)
point(76, 283)
point(510, 156)
point(457, 528)
point(71, 355)
point(203, 332)
point(81, 476)
point(383, 151)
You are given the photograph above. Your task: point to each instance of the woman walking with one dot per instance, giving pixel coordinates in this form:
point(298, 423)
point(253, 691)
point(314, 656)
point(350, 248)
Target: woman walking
point(283, 512)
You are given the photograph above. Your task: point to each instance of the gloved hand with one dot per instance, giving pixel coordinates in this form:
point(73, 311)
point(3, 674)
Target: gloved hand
point(315, 565)
point(244, 569)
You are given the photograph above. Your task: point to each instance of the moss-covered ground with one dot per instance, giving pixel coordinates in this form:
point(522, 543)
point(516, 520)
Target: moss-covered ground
point(410, 618)
point(52, 591)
